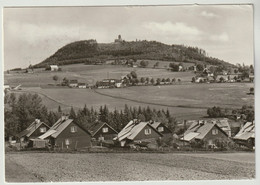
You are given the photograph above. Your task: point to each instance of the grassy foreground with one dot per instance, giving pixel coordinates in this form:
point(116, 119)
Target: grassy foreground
point(66, 167)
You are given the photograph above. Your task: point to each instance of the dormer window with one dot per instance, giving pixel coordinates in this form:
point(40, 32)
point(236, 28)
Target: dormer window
point(105, 130)
point(73, 129)
point(160, 129)
point(147, 131)
point(214, 132)
point(42, 129)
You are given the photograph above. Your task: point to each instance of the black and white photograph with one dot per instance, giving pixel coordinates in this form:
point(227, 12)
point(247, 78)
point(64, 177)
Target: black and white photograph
point(128, 93)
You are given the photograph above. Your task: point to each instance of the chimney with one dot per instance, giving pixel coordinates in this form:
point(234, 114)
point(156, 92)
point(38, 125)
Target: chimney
point(37, 121)
point(64, 117)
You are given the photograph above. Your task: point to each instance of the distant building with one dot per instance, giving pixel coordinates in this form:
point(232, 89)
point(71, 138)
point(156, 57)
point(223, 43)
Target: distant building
point(82, 85)
point(119, 39)
point(73, 83)
point(54, 67)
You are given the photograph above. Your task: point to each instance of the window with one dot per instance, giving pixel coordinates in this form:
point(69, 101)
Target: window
point(67, 142)
point(73, 129)
point(147, 131)
point(160, 129)
point(105, 130)
point(42, 129)
point(214, 132)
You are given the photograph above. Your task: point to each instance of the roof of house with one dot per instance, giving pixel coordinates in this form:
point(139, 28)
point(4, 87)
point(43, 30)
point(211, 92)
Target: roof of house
point(58, 127)
point(53, 65)
point(73, 81)
point(157, 124)
point(246, 132)
point(31, 128)
point(223, 124)
point(201, 128)
point(132, 129)
point(97, 126)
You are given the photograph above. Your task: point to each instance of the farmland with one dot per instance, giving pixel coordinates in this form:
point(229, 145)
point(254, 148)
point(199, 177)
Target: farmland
point(184, 101)
point(62, 167)
point(88, 74)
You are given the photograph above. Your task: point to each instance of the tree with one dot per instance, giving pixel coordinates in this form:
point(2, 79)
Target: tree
point(72, 114)
point(142, 80)
point(193, 79)
point(55, 78)
point(156, 65)
point(144, 63)
point(152, 81)
point(174, 67)
point(252, 90)
point(133, 74)
point(199, 67)
point(158, 81)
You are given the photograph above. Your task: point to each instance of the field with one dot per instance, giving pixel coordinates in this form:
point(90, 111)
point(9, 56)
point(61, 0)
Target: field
point(65, 167)
point(183, 101)
point(186, 101)
point(88, 74)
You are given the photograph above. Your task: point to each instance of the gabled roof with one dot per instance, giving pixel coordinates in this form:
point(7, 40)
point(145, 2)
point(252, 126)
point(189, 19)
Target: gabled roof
point(132, 129)
point(58, 127)
point(201, 127)
point(246, 132)
point(31, 128)
point(157, 124)
point(97, 126)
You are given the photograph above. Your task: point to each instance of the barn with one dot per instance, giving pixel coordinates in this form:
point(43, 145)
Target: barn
point(66, 134)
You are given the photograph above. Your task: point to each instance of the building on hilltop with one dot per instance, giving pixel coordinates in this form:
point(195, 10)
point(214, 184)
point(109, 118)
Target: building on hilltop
point(119, 39)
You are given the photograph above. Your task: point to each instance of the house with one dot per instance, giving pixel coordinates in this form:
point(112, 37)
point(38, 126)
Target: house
point(206, 134)
point(251, 77)
point(102, 131)
point(82, 85)
point(180, 68)
point(119, 84)
point(200, 79)
point(65, 133)
point(224, 125)
point(34, 130)
point(54, 67)
point(165, 131)
point(107, 83)
point(73, 83)
point(246, 135)
point(138, 132)
point(222, 78)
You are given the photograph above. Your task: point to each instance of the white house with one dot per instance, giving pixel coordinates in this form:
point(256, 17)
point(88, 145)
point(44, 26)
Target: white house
point(82, 85)
point(54, 67)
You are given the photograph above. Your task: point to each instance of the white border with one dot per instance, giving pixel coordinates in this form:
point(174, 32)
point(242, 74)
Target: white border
point(256, 3)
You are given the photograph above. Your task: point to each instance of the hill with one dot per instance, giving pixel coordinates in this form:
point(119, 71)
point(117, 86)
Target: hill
point(90, 50)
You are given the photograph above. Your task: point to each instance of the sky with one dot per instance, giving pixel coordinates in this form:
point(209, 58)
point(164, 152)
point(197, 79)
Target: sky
point(33, 34)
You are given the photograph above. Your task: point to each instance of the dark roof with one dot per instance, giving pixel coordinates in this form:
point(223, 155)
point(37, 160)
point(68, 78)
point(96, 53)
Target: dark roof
point(157, 124)
point(97, 126)
point(73, 81)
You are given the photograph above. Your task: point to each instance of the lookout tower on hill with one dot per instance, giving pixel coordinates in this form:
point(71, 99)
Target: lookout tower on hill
point(119, 39)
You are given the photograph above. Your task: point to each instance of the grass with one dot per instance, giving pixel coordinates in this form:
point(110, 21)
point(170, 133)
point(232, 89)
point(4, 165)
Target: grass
point(65, 167)
point(88, 74)
point(188, 101)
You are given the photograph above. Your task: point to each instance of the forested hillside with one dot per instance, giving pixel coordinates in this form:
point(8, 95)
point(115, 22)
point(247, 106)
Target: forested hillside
point(82, 51)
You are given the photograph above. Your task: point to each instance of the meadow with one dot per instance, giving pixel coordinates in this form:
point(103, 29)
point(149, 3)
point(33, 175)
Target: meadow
point(67, 167)
point(184, 100)
point(88, 74)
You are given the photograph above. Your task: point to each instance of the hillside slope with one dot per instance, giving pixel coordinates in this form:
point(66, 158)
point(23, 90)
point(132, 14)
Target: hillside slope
point(82, 51)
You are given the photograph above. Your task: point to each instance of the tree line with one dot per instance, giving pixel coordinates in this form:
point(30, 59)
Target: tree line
point(20, 111)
